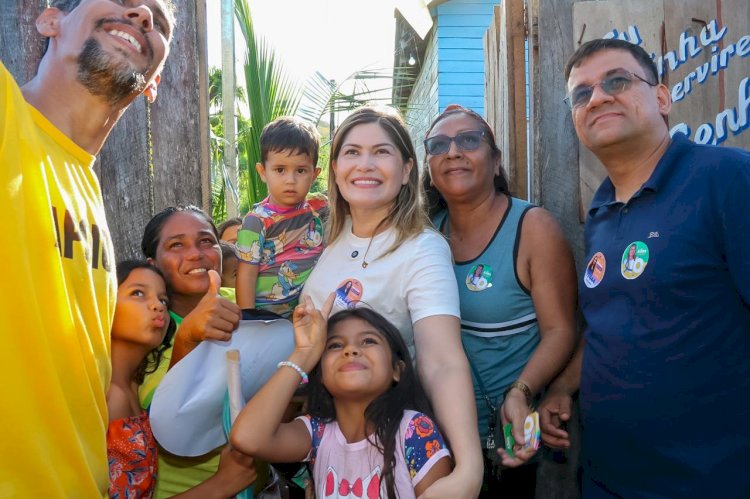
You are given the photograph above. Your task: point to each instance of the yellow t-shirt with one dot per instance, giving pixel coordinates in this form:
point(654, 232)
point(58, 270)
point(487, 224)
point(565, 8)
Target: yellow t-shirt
point(57, 299)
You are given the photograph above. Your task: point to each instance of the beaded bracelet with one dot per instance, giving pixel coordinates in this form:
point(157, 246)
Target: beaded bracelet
point(297, 368)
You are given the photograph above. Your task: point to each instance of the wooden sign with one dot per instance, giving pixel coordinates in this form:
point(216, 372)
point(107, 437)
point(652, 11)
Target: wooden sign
point(702, 53)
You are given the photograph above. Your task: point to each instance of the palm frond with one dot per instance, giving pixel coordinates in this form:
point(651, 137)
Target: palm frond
point(270, 92)
point(323, 96)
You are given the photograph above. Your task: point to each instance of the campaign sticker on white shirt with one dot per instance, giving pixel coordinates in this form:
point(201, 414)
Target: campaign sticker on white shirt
point(479, 277)
point(313, 235)
point(348, 294)
point(595, 270)
point(634, 260)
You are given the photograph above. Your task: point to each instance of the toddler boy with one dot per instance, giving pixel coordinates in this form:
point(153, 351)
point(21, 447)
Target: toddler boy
point(282, 236)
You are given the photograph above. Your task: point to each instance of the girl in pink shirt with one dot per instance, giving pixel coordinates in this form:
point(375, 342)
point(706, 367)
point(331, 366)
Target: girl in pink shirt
point(367, 432)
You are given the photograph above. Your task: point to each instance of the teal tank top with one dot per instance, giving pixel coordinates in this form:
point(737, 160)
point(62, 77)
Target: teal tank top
point(499, 328)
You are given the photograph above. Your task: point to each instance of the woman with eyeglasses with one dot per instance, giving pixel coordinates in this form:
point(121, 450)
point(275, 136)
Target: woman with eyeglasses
point(518, 325)
point(384, 253)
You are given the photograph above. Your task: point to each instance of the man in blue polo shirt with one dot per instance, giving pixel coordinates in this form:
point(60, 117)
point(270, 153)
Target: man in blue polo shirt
point(664, 367)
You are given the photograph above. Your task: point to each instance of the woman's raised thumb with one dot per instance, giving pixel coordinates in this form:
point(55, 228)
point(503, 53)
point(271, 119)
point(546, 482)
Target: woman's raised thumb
point(214, 283)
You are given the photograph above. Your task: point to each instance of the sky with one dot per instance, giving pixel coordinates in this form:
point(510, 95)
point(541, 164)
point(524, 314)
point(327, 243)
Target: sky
point(335, 37)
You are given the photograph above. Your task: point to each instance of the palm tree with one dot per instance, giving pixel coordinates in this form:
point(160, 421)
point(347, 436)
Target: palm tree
point(326, 97)
point(218, 172)
point(268, 94)
point(271, 93)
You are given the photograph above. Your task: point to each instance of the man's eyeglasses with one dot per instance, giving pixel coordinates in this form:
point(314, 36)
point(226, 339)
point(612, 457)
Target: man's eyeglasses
point(466, 141)
point(613, 84)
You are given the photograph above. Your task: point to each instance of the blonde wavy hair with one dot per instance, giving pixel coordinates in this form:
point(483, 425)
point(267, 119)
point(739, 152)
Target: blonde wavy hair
point(407, 215)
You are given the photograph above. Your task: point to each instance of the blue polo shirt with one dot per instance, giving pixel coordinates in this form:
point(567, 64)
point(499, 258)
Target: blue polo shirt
point(665, 382)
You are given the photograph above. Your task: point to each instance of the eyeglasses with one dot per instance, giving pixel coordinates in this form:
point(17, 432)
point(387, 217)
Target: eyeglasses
point(466, 141)
point(613, 84)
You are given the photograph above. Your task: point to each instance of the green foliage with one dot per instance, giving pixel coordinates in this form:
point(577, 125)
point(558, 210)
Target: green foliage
point(321, 183)
point(216, 138)
point(271, 93)
point(218, 174)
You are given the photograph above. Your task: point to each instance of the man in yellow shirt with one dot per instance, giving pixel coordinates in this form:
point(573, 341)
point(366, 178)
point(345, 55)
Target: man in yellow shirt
point(57, 293)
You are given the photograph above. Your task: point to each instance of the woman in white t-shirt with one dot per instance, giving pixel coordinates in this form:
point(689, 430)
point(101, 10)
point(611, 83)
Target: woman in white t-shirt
point(380, 241)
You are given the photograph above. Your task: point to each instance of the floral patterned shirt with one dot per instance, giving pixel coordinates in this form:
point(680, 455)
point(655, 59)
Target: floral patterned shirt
point(131, 451)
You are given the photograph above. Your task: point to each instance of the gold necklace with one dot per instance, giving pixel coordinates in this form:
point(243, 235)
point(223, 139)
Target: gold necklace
point(364, 258)
point(365, 263)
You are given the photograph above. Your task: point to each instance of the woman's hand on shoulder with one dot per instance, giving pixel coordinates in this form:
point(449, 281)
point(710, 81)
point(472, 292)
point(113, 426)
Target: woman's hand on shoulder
point(214, 318)
point(447, 380)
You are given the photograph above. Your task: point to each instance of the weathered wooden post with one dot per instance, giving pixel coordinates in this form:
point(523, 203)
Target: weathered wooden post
point(505, 90)
point(229, 88)
point(21, 47)
point(554, 161)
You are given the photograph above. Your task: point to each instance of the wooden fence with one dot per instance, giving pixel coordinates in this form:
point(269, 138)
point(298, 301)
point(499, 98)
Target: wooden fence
point(139, 177)
point(505, 81)
point(553, 148)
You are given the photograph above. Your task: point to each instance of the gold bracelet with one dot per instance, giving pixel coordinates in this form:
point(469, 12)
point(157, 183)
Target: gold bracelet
point(524, 388)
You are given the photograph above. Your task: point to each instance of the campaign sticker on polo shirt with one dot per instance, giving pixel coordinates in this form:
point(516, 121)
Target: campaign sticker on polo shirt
point(313, 235)
point(348, 293)
point(634, 260)
point(479, 277)
point(595, 270)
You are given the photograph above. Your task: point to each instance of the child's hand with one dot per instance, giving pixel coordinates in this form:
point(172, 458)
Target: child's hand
point(310, 329)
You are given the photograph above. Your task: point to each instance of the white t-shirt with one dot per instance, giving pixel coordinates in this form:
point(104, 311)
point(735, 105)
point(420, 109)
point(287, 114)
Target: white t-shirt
point(409, 284)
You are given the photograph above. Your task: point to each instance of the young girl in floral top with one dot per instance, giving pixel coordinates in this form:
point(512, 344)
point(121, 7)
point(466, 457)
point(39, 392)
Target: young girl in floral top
point(138, 331)
point(366, 433)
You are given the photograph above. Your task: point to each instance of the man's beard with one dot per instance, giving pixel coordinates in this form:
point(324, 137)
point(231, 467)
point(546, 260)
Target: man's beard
point(106, 78)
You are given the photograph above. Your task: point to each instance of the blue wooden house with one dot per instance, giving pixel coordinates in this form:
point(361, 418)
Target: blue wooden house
point(445, 67)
